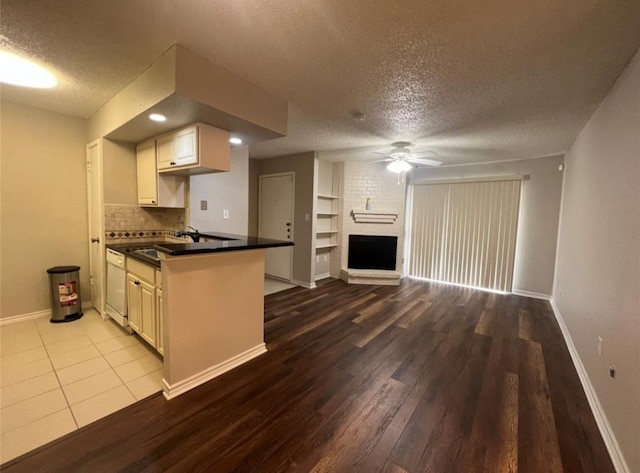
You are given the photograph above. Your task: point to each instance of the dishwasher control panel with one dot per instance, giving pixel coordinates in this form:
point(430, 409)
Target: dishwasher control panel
point(115, 258)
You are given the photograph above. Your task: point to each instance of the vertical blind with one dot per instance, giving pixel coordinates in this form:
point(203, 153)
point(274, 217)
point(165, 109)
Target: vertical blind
point(464, 233)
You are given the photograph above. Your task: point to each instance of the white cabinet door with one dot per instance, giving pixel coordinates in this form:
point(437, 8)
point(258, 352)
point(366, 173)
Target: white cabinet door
point(157, 190)
point(159, 321)
point(142, 308)
point(178, 149)
point(133, 300)
point(185, 147)
point(165, 152)
point(147, 174)
point(148, 312)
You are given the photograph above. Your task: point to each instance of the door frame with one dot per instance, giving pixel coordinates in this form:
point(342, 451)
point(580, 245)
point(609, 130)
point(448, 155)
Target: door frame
point(293, 209)
point(98, 194)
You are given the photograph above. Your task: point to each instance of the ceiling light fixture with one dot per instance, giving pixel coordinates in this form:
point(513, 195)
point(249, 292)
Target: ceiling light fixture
point(19, 71)
point(156, 117)
point(399, 166)
point(235, 141)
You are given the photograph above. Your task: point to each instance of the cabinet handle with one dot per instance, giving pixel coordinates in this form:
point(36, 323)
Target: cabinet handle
point(137, 283)
point(95, 240)
point(172, 163)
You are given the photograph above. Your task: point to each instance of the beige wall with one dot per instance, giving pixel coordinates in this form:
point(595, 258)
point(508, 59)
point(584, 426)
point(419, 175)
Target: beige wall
point(538, 221)
point(303, 165)
point(119, 173)
point(597, 287)
point(44, 205)
point(223, 190)
point(254, 173)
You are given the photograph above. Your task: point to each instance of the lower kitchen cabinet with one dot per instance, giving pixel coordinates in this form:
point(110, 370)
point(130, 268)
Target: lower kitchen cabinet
point(160, 332)
point(148, 313)
point(134, 302)
point(145, 303)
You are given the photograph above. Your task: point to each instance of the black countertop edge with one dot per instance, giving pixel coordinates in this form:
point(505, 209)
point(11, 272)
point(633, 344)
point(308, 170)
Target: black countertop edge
point(224, 236)
point(222, 242)
point(128, 249)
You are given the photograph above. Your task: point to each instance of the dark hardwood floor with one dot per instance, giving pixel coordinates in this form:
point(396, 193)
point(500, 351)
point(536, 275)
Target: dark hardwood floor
point(418, 378)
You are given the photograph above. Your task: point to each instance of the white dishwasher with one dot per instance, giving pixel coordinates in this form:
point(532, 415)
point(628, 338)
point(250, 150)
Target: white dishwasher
point(116, 287)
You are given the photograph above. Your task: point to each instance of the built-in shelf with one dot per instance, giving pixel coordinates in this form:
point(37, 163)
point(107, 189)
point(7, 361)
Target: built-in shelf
point(326, 215)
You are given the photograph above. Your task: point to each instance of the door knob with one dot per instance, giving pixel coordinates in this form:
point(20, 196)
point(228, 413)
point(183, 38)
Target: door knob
point(95, 240)
point(288, 224)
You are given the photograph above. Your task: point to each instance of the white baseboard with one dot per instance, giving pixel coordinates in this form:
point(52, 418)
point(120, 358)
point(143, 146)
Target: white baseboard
point(40, 314)
point(606, 431)
point(308, 285)
point(174, 390)
point(322, 276)
point(535, 295)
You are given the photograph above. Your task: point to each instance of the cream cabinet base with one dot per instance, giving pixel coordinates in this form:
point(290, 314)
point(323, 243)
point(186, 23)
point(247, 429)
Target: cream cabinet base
point(213, 315)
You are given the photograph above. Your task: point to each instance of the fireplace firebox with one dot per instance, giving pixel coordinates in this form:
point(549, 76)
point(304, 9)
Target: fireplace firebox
point(372, 252)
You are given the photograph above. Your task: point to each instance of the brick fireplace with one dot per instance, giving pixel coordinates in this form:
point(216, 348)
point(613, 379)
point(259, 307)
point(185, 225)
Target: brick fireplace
point(384, 191)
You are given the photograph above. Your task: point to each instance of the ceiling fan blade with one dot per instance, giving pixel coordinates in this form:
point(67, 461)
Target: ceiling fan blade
point(381, 152)
point(424, 154)
point(385, 160)
point(425, 162)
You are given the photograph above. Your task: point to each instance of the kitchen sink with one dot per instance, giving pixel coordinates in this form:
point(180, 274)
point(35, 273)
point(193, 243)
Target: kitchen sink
point(149, 252)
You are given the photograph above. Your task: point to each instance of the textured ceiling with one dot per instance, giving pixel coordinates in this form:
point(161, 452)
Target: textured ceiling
point(474, 81)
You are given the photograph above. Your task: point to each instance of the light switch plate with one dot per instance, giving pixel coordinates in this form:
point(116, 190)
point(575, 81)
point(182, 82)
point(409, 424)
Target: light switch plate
point(225, 214)
point(203, 205)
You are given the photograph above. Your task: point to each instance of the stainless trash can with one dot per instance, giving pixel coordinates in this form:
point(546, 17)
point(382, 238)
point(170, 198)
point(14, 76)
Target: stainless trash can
point(66, 303)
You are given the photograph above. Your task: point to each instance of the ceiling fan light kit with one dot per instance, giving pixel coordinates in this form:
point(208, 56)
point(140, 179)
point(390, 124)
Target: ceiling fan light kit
point(401, 159)
point(399, 165)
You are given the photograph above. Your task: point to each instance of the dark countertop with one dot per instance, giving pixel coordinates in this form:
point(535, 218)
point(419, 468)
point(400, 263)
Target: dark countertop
point(128, 249)
point(221, 242)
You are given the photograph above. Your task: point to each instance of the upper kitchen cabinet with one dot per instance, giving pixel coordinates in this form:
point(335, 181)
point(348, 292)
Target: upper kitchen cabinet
point(197, 149)
point(157, 190)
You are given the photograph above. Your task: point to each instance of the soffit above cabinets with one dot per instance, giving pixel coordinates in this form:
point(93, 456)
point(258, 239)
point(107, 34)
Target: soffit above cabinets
point(187, 88)
point(181, 111)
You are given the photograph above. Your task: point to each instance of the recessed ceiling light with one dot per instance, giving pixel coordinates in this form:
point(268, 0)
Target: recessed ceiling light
point(156, 117)
point(18, 71)
point(235, 141)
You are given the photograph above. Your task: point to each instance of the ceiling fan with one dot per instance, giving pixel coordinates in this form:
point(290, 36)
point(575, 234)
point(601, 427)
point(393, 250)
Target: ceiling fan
point(401, 159)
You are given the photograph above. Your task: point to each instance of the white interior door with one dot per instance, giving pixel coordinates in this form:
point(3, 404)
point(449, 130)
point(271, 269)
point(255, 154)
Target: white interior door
point(276, 221)
point(96, 225)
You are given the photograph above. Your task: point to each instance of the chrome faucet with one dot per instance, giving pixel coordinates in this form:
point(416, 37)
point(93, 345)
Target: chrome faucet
point(195, 235)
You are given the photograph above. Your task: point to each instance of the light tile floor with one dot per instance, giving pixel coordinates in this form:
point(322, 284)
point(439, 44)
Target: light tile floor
point(271, 286)
point(56, 378)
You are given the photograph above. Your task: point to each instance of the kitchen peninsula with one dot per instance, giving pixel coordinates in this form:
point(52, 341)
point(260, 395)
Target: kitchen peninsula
point(213, 307)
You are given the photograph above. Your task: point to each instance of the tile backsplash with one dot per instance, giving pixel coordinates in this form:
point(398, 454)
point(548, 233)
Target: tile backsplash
point(127, 222)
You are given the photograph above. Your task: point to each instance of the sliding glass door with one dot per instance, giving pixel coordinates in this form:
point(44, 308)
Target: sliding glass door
point(464, 232)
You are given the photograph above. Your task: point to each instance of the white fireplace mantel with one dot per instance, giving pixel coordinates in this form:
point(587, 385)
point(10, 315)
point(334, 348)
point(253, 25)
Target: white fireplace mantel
point(360, 216)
